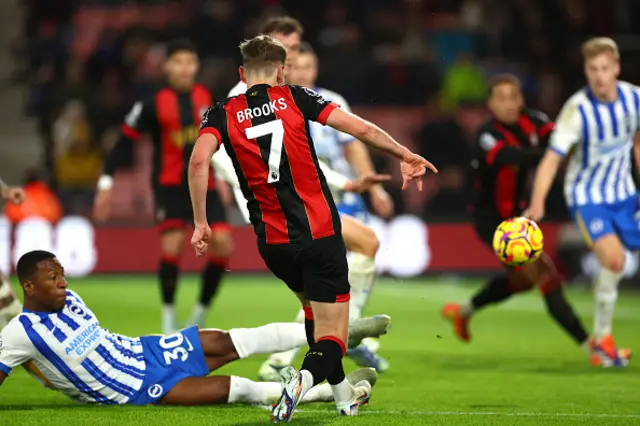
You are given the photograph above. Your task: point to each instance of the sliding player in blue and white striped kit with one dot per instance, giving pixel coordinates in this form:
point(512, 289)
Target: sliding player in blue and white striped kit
point(598, 125)
point(63, 345)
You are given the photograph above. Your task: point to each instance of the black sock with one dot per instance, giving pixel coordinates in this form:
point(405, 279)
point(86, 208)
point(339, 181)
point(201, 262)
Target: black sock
point(337, 376)
point(561, 311)
point(322, 359)
point(495, 290)
point(309, 324)
point(211, 277)
point(168, 274)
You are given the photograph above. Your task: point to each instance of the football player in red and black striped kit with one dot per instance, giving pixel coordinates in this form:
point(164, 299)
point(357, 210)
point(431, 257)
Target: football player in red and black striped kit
point(511, 144)
point(171, 116)
point(266, 134)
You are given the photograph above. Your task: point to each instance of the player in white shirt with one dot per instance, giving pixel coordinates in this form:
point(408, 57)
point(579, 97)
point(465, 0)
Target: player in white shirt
point(597, 126)
point(67, 349)
point(9, 303)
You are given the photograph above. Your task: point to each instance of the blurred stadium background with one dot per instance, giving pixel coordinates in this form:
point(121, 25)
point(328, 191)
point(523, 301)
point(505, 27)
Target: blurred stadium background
point(70, 70)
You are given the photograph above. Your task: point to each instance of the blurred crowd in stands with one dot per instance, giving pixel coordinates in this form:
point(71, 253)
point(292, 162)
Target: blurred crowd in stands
point(86, 61)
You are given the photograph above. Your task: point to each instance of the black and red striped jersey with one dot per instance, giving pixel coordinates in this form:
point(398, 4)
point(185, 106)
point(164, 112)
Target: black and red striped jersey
point(172, 120)
point(507, 155)
point(265, 132)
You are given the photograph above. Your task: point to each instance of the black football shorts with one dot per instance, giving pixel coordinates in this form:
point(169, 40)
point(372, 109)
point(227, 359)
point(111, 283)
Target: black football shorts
point(317, 268)
point(174, 210)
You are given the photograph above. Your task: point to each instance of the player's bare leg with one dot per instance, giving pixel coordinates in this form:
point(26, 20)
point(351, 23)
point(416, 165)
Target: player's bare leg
point(171, 244)
point(220, 250)
point(9, 304)
point(362, 245)
point(610, 253)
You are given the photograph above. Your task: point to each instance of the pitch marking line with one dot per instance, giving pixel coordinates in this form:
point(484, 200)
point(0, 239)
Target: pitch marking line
point(480, 413)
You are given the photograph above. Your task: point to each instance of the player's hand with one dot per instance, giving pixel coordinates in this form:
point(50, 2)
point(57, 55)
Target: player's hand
point(13, 194)
point(201, 238)
point(366, 182)
point(102, 205)
point(535, 212)
point(413, 167)
point(381, 202)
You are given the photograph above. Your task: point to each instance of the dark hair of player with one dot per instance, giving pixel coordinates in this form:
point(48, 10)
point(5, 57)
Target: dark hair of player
point(181, 45)
point(305, 47)
point(282, 24)
point(28, 263)
point(500, 79)
point(262, 53)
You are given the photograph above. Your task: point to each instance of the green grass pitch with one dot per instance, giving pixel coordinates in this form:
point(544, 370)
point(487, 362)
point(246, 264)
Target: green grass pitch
point(520, 369)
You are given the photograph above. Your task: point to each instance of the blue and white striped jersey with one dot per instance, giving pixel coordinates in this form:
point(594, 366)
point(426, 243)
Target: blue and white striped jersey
point(74, 354)
point(329, 143)
point(601, 138)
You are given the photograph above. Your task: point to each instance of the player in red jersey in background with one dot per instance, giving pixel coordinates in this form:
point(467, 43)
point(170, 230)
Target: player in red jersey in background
point(171, 115)
point(9, 304)
point(511, 144)
point(266, 134)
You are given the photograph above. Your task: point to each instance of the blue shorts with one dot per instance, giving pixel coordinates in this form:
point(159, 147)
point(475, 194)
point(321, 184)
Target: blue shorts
point(353, 205)
point(622, 219)
point(169, 359)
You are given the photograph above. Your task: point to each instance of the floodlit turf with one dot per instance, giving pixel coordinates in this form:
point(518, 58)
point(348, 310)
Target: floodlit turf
point(520, 368)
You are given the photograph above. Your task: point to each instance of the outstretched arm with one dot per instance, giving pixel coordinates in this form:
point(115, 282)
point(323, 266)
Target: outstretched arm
point(413, 166)
point(365, 131)
point(566, 134)
point(545, 174)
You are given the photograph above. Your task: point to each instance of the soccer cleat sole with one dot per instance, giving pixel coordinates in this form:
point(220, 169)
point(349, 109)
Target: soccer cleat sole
point(269, 373)
point(363, 374)
point(361, 328)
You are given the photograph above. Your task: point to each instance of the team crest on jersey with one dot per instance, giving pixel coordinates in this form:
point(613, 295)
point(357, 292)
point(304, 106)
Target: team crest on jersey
point(77, 310)
point(314, 94)
point(596, 226)
point(205, 118)
point(155, 391)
